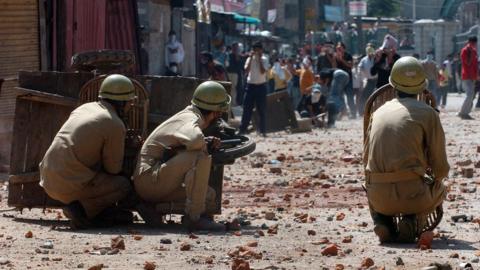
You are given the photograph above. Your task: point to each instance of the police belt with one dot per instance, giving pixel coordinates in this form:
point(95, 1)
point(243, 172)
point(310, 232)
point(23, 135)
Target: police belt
point(393, 177)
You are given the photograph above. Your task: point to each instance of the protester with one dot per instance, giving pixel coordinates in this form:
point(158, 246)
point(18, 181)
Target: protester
point(345, 63)
point(307, 79)
point(365, 66)
point(235, 72)
point(469, 58)
point(327, 58)
point(256, 68)
point(280, 75)
point(357, 83)
point(385, 57)
point(211, 69)
point(336, 80)
point(431, 71)
point(174, 52)
point(294, 84)
point(444, 85)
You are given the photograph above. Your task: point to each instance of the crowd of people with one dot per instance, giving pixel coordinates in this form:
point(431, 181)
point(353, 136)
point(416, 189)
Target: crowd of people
point(317, 86)
point(334, 83)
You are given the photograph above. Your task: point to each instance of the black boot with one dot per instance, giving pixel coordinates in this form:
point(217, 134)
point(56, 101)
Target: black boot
point(202, 224)
point(113, 216)
point(78, 218)
point(149, 214)
point(384, 228)
point(407, 229)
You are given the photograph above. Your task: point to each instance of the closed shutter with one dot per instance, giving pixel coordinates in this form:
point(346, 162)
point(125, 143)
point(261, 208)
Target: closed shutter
point(19, 45)
point(19, 50)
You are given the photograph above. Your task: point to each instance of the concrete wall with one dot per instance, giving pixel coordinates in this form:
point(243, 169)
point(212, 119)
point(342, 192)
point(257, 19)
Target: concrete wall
point(155, 16)
point(425, 9)
point(435, 35)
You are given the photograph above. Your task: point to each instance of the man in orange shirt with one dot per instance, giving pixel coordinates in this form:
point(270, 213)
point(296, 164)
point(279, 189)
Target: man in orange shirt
point(306, 77)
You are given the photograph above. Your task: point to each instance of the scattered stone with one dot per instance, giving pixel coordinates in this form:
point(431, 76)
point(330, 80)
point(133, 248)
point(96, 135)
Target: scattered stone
point(399, 261)
point(273, 229)
point(252, 244)
point(311, 232)
point(165, 241)
point(330, 250)
point(259, 193)
point(348, 158)
point(149, 266)
point(117, 242)
point(137, 237)
point(339, 266)
point(184, 246)
point(240, 264)
point(113, 251)
point(192, 236)
point(280, 183)
point(463, 218)
point(464, 163)
point(47, 244)
point(281, 157)
point(276, 170)
point(347, 239)
point(257, 165)
point(269, 215)
point(209, 260)
point(367, 262)
point(80, 265)
point(454, 255)
point(4, 261)
point(29, 234)
point(425, 240)
point(96, 267)
point(467, 172)
point(340, 216)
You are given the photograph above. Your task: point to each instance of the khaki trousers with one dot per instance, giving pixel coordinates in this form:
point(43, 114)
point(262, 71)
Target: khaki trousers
point(182, 178)
point(103, 191)
point(409, 196)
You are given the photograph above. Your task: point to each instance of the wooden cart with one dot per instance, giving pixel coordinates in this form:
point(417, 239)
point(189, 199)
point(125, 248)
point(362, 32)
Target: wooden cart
point(44, 102)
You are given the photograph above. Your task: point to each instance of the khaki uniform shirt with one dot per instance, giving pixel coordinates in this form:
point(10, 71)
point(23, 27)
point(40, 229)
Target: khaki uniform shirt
point(182, 129)
point(405, 137)
point(406, 134)
point(91, 140)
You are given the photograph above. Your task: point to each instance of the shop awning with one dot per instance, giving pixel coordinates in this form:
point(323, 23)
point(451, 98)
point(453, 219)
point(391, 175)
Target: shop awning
point(245, 19)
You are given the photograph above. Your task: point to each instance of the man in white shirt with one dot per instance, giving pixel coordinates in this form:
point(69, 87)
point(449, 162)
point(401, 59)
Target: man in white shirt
point(256, 68)
point(365, 66)
point(174, 53)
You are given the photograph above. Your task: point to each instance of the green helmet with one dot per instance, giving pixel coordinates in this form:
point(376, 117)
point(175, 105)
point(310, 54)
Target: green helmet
point(408, 76)
point(117, 87)
point(211, 96)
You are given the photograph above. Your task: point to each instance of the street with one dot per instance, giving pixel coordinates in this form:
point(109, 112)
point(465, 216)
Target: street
point(292, 209)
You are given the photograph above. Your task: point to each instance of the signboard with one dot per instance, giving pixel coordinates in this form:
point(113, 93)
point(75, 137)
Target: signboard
point(271, 15)
point(357, 8)
point(203, 11)
point(333, 13)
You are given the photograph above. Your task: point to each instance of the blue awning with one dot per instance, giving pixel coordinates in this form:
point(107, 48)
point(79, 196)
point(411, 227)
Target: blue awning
point(245, 19)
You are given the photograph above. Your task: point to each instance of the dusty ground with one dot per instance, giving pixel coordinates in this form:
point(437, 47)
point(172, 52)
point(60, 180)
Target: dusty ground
point(319, 183)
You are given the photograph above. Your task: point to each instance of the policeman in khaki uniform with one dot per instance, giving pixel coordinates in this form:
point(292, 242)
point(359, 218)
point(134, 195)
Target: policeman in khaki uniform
point(82, 168)
point(174, 163)
point(405, 157)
